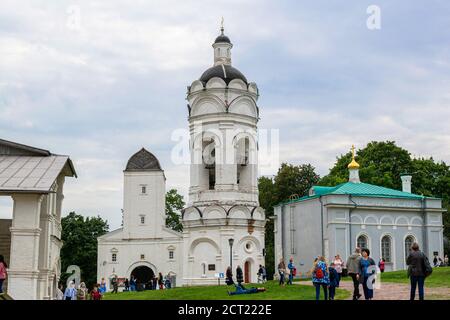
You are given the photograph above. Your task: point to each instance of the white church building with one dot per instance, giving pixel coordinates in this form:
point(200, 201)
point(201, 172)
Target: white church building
point(336, 220)
point(223, 224)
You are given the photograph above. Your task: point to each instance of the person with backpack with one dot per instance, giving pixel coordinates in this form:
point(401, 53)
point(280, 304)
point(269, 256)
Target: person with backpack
point(353, 270)
point(320, 277)
point(292, 270)
point(334, 280)
point(367, 270)
point(418, 269)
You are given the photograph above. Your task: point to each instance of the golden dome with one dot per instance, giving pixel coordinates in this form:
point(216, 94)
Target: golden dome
point(353, 164)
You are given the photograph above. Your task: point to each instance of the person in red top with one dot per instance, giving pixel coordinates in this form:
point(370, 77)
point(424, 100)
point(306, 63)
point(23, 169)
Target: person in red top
point(381, 265)
point(95, 294)
point(3, 272)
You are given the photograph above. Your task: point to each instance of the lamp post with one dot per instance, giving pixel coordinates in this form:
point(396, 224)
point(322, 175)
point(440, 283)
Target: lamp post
point(231, 241)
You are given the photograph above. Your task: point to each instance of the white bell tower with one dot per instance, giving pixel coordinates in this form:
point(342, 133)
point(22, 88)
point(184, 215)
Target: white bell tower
point(223, 205)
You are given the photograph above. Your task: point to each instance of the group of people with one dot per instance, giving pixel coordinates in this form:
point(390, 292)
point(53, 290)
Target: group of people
point(153, 283)
point(82, 292)
point(361, 268)
point(439, 262)
point(239, 287)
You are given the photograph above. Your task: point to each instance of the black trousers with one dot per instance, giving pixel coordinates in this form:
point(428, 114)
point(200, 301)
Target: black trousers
point(355, 285)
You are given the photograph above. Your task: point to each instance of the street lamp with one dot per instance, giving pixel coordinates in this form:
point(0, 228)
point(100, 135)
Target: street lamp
point(231, 241)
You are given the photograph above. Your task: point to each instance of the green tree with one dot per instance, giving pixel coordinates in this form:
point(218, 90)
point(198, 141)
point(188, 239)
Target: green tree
point(267, 199)
point(289, 180)
point(381, 163)
point(174, 204)
point(79, 236)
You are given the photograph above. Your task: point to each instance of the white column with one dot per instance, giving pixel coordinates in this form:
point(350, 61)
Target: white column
point(25, 232)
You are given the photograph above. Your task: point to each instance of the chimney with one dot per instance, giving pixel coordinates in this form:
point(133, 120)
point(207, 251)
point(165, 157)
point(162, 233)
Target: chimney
point(406, 182)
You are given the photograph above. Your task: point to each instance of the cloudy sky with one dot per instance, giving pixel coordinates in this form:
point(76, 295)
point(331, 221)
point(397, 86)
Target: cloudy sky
point(98, 80)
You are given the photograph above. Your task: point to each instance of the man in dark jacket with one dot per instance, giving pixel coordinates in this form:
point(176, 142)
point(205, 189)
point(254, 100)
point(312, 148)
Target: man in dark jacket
point(239, 276)
point(416, 261)
point(353, 270)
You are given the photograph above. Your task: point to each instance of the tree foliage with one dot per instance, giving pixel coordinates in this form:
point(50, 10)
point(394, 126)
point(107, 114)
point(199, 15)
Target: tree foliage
point(79, 236)
point(174, 204)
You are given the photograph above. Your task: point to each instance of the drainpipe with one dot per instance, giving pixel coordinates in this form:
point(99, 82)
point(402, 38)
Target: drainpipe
point(321, 225)
point(350, 222)
point(425, 224)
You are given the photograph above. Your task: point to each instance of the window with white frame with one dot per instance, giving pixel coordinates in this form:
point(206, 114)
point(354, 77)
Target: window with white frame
point(142, 219)
point(171, 254)
point(114, 257)
point(362, 242)
point(386, 248)
point(143, 189)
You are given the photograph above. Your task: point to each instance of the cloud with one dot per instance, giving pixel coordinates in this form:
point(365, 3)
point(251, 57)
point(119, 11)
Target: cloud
point(100, 80)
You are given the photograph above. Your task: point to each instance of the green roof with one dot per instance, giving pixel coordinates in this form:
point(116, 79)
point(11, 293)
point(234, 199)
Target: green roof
point(357, 189)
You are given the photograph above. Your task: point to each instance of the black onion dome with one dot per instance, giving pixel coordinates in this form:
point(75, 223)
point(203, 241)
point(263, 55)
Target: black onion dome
point(143, 160)
point(227, 75)
point(222, 38)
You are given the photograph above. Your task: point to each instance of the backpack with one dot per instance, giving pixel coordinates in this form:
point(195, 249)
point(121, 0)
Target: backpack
point(427, 269)
point(319, 273)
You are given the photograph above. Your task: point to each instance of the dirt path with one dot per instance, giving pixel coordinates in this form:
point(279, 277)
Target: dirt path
point(394, 291)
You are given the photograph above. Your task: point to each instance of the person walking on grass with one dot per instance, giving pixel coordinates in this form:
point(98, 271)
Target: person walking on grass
point(292, 270)
point(102, 288)
point(381, 265)
point(334, 280)
point(418, 269)
point(70, 293)
point(3, 272)
point(282, 271)
point(161, 281)
point(366, 270)
point(95, 294)
point(260, 274)
point(239, 276)
point(353, 270)
point(229, 277)
point(338, 265)
point(82, 292)
point(320, 277)
point(115, 284)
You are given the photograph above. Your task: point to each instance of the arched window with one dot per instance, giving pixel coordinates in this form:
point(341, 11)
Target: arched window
point(362, 242)
point(408, 243)
point(386, 248)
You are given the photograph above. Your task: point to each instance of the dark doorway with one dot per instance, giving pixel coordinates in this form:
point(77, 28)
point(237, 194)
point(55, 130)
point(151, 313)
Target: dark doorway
point(247, 278)
point(142, 274)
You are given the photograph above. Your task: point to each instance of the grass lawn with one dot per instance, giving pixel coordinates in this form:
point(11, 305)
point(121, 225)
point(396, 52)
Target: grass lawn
point(439, 278)
point(274, 292)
